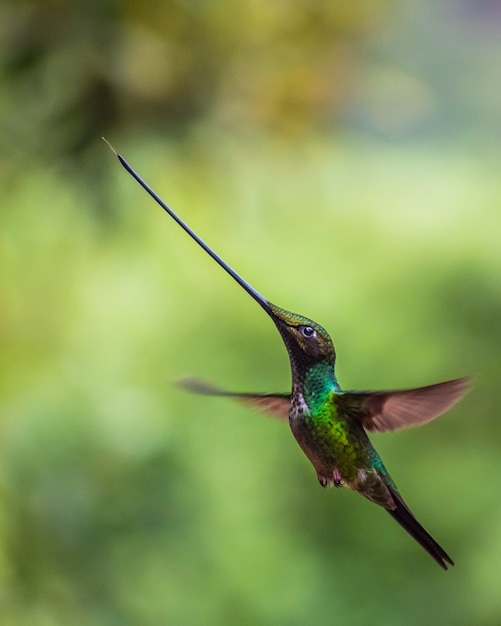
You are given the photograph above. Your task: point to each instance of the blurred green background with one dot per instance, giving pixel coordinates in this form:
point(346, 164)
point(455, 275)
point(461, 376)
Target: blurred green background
point(344, 157)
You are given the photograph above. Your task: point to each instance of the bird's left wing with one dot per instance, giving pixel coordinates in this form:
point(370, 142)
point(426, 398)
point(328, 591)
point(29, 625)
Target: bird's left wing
point(276, 404)
point(389, 410)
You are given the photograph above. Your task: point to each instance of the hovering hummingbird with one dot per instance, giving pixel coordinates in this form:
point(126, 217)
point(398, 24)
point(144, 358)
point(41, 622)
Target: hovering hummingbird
point(331, 424)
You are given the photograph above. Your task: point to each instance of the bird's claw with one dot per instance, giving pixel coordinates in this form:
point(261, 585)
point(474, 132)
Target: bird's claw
point(338, 481)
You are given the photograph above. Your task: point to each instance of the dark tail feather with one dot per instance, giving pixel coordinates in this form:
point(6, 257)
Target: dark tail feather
point(407, 520)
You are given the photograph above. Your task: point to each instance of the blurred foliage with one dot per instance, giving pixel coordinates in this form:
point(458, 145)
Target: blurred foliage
point(341, 157)
point(76, 66)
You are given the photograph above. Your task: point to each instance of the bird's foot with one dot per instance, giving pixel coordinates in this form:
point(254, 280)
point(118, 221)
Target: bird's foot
point(338, 481)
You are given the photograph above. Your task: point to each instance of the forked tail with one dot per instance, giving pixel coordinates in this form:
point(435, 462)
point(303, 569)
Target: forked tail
point(407, 520)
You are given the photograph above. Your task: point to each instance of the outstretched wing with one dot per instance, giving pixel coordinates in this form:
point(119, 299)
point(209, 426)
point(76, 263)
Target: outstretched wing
point(389, 410)
point(276, 404)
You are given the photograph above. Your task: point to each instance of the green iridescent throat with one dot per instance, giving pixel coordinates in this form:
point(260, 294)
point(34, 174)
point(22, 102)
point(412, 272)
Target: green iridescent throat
point(320, 381)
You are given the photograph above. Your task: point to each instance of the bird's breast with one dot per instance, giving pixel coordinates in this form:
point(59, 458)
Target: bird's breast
point(325, 437)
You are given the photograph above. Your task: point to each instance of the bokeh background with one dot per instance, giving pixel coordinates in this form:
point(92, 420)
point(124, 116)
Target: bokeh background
point(345, 158)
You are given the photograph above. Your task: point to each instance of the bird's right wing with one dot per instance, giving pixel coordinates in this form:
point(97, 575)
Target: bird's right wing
point(276, 404)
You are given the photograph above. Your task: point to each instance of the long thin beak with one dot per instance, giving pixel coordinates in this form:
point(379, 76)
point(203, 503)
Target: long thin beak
point(243, 283)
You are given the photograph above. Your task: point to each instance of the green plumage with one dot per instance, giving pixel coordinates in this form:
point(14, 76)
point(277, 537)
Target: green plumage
point(340, 440)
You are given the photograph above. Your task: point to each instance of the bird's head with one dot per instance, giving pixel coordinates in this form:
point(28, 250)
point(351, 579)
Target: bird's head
point(306, 341)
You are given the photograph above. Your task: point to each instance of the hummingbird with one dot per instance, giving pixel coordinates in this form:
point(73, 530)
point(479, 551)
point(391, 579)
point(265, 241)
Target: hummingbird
point(330, 424)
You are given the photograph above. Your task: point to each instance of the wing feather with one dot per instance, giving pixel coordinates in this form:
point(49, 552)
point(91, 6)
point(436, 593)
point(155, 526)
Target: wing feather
point(390, 410)
point(276, 404)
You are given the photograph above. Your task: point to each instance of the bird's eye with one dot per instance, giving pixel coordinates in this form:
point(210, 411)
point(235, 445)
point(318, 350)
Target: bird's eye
point(308, 331)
